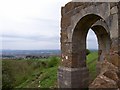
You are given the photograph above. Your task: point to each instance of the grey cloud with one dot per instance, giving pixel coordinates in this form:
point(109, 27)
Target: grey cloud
point(33, 38)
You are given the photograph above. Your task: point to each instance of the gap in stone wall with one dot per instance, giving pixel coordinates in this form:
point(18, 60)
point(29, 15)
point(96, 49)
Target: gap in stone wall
point(92, 45)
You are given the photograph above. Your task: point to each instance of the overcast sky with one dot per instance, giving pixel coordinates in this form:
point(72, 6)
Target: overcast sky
point(33, 24)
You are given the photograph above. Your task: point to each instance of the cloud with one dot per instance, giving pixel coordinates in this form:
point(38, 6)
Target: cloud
point(28, 42)
point(32, 38)
point(28, 45)
point(32, 24)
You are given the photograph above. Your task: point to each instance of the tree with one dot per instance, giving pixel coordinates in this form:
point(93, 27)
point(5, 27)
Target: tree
point(87, 51)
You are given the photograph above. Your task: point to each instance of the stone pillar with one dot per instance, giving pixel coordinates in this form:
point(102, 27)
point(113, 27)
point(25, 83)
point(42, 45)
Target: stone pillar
point(72, 72)
point(73, 77)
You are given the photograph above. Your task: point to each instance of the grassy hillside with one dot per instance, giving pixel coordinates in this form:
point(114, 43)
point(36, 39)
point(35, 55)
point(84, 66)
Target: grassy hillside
point(91, 64)
point(40, 73)
point(29, 73)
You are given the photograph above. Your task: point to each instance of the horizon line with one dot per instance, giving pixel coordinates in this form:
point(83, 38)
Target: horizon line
point(38, 49)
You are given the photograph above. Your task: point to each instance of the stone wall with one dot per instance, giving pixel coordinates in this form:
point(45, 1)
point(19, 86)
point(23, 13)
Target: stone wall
point(77, 19)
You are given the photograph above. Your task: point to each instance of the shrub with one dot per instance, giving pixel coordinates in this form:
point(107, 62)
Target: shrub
point(43, 64)
point(53, 61)
point(87, 51)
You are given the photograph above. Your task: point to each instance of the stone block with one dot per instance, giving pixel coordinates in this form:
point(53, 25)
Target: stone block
point(113, 4)
point(66, 22)
point(114, 59)
point(103, 82)
point(108, 77)
point(72, 77)
point(114, 10)
point(114, 26)
point(112, 75)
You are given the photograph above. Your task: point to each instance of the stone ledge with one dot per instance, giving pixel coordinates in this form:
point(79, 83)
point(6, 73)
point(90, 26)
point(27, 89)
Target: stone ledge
point(72, 69)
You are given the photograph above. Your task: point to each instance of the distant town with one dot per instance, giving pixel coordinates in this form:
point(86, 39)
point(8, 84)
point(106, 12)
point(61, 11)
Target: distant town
point(28, 54)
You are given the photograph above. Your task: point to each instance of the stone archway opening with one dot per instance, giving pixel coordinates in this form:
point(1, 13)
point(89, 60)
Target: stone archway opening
point(92, 57)
point(102, 49)
point(79, 42)
point(80, 35)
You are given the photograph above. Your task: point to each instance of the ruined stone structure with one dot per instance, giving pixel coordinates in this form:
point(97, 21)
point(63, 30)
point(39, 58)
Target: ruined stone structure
point(104, 19)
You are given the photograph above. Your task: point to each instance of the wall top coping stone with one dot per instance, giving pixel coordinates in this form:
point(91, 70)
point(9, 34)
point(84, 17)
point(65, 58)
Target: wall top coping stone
point(72, 5)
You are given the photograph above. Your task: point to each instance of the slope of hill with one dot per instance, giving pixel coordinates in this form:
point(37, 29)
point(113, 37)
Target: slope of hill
point(40, 73)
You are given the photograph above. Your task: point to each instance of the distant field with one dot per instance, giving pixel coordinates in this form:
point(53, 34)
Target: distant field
point(37, 73)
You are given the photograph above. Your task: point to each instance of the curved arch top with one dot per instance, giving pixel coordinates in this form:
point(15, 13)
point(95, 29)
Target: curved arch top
point(79, 38)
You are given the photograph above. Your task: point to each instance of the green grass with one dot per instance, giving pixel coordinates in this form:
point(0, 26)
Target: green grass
point(30, 73)
point(39, 73)
point(17, 70)
point(49, 78)
point(46, 76)
point(91, 64)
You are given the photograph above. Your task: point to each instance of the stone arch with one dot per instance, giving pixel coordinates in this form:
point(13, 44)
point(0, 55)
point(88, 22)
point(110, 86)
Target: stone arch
point(97, 24)
point(99, 10)
point(80, 33)
point(101, 25)
point(78, 12)
point(79, 39)
point(77, 19)
point(104, 41)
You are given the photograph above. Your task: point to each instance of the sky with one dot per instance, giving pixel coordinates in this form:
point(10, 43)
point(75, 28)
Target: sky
point(33, 25)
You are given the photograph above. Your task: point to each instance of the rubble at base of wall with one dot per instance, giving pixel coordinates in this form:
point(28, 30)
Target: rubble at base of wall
point(109, 77)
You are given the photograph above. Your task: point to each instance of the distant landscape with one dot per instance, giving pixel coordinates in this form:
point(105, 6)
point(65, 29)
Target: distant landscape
point(37, 72)
point(22, 54)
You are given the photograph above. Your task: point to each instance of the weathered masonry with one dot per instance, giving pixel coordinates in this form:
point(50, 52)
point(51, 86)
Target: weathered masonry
point(104, 19)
